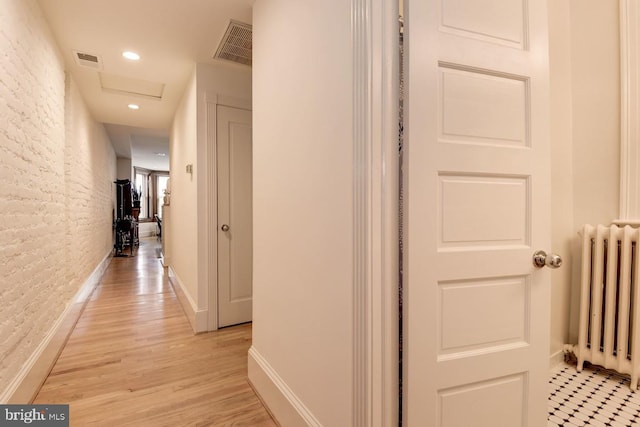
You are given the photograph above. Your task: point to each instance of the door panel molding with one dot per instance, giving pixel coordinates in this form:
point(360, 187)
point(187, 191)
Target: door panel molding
point(476, 190)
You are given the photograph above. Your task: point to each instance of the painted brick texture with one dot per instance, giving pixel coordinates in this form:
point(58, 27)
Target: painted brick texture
point(56, 196)
point(90, 169)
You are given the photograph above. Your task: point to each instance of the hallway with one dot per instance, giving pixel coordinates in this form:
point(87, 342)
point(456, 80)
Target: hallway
point(133, 359)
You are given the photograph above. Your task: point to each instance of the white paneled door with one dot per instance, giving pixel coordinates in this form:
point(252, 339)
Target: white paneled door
point(477, 208)
point(235, 219)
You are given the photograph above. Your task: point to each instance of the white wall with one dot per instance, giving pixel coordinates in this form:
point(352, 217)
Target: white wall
point(585, 132)
point(595, 35)
point(90, 170)
point(595, 77)
point(303, 204)
point(562, 231)
point(56, 197)
point(191, 194)
point(125, 171)
point(183, 151)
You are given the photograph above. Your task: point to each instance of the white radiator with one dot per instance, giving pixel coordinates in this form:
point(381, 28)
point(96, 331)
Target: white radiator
point(609, 300)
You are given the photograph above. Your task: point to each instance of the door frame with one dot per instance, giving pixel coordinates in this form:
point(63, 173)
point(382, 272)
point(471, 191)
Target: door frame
point(376, 81)
point(212, 101)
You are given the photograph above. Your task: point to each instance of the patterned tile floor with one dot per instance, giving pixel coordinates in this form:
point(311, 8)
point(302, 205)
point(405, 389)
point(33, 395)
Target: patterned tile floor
point(593, 397)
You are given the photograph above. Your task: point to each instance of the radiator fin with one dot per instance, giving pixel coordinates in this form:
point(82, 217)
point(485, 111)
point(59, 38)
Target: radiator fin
point(608, 301)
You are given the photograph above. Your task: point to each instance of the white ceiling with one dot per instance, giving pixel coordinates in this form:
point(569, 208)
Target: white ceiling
point(171, 36)
point(142, 144)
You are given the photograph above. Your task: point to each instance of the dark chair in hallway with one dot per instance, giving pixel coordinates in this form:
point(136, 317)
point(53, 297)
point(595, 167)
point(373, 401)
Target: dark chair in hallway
point(159, 222)
point(125, 224)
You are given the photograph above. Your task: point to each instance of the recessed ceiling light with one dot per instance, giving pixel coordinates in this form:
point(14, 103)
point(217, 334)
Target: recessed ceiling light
point(131, 55)
point(134, 106)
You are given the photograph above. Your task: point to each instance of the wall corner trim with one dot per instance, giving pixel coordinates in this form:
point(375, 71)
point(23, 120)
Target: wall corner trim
point(197, 318)
point(629, 111)
point(376, 85)
point(26, 384)
point(281, 401)
point(362, 177)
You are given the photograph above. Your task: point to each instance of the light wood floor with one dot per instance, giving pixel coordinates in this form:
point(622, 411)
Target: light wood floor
point(133, 359)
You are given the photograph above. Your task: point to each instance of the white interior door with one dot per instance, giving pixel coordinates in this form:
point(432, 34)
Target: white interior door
point(477, 208)
point(235, 215)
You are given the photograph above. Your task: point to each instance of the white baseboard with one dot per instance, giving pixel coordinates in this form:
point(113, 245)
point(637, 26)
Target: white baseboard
point(25, 385)
point(197, 318)
point(280, 400)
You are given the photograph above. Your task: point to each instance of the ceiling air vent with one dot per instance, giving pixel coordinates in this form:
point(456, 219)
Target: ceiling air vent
point(88, 60)
point(236, 44)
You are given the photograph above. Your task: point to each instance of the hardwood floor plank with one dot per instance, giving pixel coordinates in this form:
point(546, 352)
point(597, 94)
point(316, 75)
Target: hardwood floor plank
point(132, 359)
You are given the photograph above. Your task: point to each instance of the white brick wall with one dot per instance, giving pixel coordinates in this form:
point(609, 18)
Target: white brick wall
point(90, 169)
point(56, 196)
